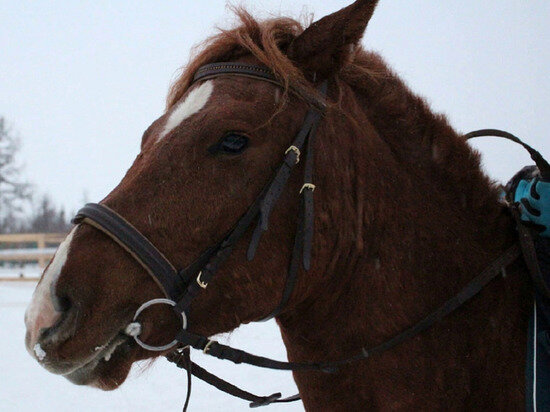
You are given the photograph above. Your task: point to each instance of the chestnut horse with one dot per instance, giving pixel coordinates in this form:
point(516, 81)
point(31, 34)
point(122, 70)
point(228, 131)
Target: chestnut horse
point(404, 219)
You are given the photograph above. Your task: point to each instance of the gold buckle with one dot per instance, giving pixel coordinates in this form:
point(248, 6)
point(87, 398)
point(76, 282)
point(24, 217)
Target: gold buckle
point(207, 346)
point(200, 282)
point(295, 150)
point(307, 186)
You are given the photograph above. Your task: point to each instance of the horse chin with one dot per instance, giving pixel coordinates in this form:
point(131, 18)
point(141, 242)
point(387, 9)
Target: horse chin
point(109, 369)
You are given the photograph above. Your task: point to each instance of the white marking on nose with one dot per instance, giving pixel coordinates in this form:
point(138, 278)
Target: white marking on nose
point(41, 312)
point(195, 101)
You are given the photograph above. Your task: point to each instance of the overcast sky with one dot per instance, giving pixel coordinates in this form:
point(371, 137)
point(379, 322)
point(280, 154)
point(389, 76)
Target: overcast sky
point(80, 81)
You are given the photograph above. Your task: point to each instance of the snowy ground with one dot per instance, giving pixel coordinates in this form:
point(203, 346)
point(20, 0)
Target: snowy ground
point(25, 386)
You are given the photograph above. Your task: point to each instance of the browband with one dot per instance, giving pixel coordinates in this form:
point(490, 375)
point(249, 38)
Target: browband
point(209, 71)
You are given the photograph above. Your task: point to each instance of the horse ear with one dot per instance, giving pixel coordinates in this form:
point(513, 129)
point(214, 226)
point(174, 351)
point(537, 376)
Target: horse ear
point(325, 46)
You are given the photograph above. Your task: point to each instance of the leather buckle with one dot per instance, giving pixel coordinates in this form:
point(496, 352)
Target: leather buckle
point(309, 186)
point(200, 282)
point(296, 151)
point(266, 400)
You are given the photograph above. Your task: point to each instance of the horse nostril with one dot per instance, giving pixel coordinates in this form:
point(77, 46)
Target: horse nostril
point(61, 303)
point(64, 320)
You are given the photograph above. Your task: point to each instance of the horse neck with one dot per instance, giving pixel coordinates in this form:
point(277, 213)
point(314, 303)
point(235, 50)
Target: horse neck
point(406, 219)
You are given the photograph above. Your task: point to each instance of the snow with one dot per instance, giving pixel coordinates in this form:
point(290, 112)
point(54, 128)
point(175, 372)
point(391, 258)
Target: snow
point(157, 386)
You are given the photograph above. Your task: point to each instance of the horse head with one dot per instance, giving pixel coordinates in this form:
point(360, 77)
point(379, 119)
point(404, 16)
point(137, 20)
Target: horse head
point(201, 165)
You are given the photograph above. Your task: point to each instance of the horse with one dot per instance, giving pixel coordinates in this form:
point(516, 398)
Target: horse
point(405, 217)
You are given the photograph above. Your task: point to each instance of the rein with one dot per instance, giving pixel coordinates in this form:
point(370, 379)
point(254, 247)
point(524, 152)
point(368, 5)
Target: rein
point(180, 287)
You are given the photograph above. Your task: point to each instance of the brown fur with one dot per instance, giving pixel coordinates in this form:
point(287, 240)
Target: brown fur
point(404, 218)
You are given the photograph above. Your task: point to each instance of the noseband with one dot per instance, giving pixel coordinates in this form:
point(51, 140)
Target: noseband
point(180, 287)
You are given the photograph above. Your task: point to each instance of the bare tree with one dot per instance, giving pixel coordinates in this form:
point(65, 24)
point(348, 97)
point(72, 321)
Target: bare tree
point(48, 218)
point(14, 191)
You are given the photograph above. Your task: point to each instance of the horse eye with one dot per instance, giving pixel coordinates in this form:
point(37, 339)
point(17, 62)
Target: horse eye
point(231, 143)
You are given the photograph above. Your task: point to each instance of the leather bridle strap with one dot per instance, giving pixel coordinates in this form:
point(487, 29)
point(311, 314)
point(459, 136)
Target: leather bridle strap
point(261, 208)
point(303, 240)
point(138, 246)
point(540, 161)
point(209, 71)
point(472, 288)
point(276, 187)
point(215, 260)
point(181, 360)
point(237, 356)
point(229, 388)
point(525, 234)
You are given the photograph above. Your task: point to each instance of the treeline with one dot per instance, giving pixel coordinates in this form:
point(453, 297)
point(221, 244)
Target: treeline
point(45, 217)
point(21, 210)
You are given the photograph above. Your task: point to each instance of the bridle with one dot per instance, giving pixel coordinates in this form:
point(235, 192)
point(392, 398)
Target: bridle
point(180, 287)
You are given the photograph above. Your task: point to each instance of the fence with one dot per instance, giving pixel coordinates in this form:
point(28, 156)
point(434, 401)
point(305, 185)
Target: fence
point(29, 247)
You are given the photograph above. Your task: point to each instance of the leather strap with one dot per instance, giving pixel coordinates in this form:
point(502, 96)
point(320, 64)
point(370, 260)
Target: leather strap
point(138, 246)
point(307, 192)
point(216, 257)
point(237, 356)
point(190, 272)
point(221, 351)
point(304, 230)
point(212, 70)
point(181, 359)
point(293, 268)
point(260, 209)
point(275, 189)
point(540, 161)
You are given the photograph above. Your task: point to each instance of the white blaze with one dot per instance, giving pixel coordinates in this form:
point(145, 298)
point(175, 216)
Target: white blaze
point(195, 101)
point(41, 312)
